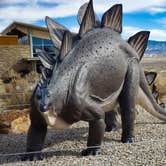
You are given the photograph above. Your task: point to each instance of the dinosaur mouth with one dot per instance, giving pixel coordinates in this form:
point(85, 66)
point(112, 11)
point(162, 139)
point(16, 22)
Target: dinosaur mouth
point(50, 116)
point(53, 120)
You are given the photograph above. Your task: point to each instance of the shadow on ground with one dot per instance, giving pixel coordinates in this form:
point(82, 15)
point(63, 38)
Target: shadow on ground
point(13, 143)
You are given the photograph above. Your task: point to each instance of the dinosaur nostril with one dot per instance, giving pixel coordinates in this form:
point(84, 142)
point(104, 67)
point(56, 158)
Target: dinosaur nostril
point(48, 95)
point(45, 107)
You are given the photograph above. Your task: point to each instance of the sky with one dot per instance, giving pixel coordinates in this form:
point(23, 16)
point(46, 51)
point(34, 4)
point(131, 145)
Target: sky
point(137, 15)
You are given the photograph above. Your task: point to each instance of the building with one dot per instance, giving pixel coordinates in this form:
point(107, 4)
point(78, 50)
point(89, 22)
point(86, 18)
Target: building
point(18, 43)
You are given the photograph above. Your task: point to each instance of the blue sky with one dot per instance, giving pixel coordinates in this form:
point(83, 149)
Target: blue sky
point(137, 15)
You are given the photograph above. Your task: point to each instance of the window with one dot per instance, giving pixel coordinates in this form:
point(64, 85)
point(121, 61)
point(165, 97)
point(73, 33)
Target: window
point(43, 44)
point(24, 40)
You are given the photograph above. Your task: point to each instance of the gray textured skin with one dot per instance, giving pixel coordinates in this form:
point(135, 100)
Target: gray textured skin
point(99, 71)
point(112, 118)
point(88, 56)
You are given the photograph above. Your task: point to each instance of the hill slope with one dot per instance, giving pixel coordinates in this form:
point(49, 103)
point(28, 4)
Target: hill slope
point(156, 47)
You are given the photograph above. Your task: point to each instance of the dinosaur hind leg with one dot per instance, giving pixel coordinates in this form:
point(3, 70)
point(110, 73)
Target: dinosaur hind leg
point(95, 137)
point(36, 135)
point(111, 120)
point(127, 101)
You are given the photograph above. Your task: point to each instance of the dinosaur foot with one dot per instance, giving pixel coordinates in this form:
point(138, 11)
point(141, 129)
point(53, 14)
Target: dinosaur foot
point(91, 151)
point(127, 139)
point(32, 157)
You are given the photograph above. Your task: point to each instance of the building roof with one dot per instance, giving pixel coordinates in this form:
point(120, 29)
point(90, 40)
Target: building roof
point(16, 24)
point(21, 29)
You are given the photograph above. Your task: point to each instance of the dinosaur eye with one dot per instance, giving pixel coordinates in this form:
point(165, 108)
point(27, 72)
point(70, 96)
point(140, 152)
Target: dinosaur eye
point(38, 93)
point(38, 96)
point(48, 94)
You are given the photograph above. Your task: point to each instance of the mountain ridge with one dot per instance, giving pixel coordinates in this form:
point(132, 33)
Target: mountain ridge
point(156, 48)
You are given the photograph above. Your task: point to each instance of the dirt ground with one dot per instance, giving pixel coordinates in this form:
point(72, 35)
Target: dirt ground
point(149, 148)
point(158, 64)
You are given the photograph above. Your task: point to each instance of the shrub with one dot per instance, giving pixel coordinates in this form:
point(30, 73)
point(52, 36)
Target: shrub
point(19, 90)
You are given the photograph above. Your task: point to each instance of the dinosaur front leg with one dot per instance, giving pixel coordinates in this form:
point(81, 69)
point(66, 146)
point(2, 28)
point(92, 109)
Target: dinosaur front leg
point(36, 136)
point(127, 101)
point(95, 116)
point(90, 112)
point(95, 137)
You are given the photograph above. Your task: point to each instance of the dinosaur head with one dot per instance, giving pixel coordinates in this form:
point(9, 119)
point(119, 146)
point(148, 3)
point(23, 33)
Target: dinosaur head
point(151, 77)
point(40, 93)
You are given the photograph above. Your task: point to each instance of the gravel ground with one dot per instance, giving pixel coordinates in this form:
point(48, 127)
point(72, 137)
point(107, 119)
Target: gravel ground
point(149, 148)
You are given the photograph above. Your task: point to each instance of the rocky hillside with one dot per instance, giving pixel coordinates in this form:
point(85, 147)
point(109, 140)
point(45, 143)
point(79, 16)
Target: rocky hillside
point(156, 48)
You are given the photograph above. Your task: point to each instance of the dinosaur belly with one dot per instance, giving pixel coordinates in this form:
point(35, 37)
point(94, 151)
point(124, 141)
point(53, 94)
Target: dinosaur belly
point(110, 102)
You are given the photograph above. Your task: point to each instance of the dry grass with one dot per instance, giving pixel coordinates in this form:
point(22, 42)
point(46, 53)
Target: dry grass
point(15, 121)
point(19, 90)
point(20, 125)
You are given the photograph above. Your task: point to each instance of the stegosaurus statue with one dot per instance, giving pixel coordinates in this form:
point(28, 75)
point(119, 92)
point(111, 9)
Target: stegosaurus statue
point(95, 70)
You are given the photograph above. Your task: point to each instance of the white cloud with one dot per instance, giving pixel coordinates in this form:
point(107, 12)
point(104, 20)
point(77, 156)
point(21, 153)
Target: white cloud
point(146, 5)
point(4, 23)
point(36, 12)
point(74, 29)
point(154, 10)
point(128, 5)
point(155, 34)
point(67, 8)
point(32, 11)
point(13, 1)
point(129, 31)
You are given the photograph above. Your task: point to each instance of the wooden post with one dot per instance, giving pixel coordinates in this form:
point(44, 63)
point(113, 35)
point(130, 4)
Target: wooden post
point(31, 50)
point(31, 43)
